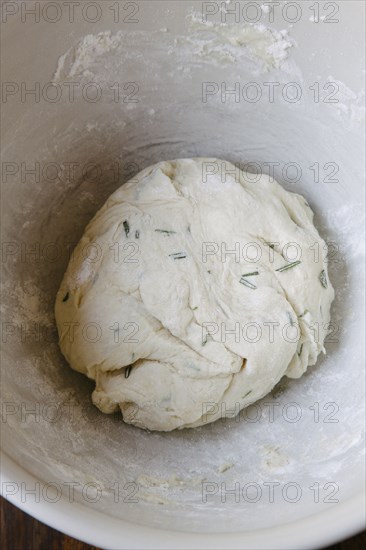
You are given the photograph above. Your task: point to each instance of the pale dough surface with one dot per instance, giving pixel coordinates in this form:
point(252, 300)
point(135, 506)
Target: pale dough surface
point(206, 334)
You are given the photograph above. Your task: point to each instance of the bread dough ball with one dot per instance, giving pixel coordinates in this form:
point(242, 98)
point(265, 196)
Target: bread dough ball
point(192, 292)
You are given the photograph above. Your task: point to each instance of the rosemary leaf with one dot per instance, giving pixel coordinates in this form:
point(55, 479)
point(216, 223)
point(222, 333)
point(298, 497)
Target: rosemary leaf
point(128, 371)
point(247, 283)
point(165, 231)
point(126, 227)
point(289, 266)
point(290, 319)
point(300, 351)
point(323, 279)
point(251, 274)
point(66, 297)
point(137, 234)
point(178, 255)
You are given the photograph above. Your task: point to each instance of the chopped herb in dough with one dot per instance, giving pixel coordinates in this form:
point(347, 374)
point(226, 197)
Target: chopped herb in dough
point(128, 371)
point(323, 279)
point(178, 255)
point(126, 227)
point(165, 231)
point(288, 266)
point(247, 283)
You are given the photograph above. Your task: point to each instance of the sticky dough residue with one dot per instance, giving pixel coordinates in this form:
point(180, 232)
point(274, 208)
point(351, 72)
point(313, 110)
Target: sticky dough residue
point(348, 104)
point(78, 59)
point(230, 43)
point(219, 43)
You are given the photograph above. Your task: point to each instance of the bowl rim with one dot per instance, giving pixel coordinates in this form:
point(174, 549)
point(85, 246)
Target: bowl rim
point(340, 521)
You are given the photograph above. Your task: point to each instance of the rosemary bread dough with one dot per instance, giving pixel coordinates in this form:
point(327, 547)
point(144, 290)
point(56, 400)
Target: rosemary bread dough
point(192, 292)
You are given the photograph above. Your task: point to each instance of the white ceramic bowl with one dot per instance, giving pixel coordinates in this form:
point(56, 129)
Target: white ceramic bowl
point(149, 81)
